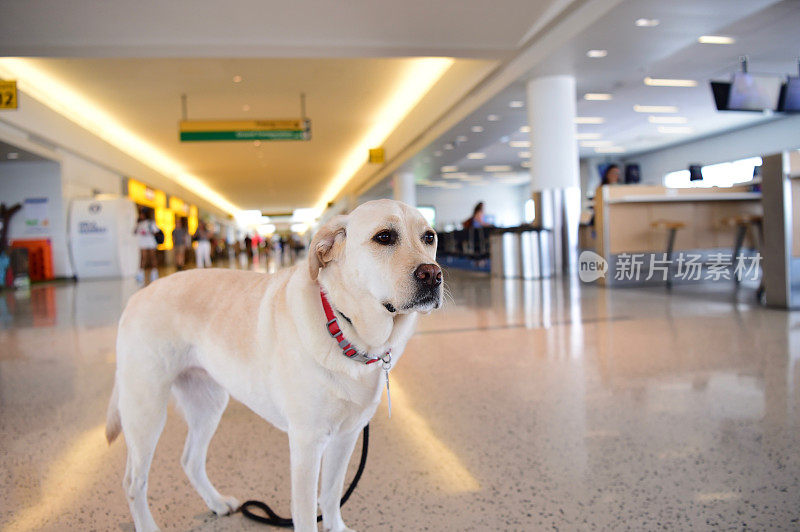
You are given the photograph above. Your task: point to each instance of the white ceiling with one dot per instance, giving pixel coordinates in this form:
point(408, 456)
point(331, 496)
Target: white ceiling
point(765, 30)
point(259, 28)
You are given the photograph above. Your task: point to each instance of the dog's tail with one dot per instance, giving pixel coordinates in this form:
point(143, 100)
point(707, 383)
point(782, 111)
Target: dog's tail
point(113, 422)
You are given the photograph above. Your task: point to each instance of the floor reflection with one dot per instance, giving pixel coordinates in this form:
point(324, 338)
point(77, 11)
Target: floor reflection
point(524, 405)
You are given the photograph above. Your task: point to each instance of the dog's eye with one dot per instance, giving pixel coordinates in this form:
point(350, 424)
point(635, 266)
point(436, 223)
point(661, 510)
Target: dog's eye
point(386, 237)
point(429, 238)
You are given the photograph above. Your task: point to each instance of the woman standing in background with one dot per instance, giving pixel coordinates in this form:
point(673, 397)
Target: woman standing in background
point(203, 237)
point(146, 230)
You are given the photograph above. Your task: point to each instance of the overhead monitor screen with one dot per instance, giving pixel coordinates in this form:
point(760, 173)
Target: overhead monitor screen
point(751, 92)
point(791, 96)
point(721, 90)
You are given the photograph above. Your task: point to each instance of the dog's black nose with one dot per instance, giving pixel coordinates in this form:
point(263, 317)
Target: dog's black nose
point(429, 275)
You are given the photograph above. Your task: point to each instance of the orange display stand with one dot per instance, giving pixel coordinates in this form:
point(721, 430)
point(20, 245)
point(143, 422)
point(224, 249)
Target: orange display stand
point(40, 258)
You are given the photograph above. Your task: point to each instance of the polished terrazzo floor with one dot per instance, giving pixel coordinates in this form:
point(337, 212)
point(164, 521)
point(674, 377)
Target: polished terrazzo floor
point(531, 405)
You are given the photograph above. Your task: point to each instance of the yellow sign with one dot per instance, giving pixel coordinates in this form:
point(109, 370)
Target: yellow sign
point(377, 155)
point(8, 94)
point(242, 125)
point(285, 129)
point(144, 195)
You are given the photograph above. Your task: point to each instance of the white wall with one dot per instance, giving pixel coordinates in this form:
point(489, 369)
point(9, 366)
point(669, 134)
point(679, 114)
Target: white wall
point(80, 178)
point(21, 180)
point(453, 206)
point(763, 139)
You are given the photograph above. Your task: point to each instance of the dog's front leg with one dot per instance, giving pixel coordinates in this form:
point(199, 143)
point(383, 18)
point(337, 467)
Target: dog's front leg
point(305, 452)
point(334, 468)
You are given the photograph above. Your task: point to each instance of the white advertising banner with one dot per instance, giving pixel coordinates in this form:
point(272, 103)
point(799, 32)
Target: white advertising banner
point(102, 241)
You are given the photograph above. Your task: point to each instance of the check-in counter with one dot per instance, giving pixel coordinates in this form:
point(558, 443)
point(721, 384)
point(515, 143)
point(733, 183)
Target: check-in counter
point(625, 216)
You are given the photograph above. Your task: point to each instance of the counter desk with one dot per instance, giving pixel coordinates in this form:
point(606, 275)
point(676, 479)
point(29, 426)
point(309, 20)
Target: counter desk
point(641, 219)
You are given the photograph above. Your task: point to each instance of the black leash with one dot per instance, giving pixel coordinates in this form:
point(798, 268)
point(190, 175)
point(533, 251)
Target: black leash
point(274, 519)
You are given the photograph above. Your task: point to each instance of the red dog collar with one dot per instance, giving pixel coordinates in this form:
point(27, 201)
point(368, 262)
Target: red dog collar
point(336, 331)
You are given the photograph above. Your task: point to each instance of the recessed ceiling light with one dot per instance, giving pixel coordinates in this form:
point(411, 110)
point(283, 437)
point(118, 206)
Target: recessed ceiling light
point(655, 108)
point(476, 155)
point(497, 168)
point(461, 138)
point(596, 53)
point(454, 175)
point(524, 154)
point(256, 143)
point(589, 119)
point(667, 119)
point(245, 107)
point(675, 129)
point(525, 164)
point(437, 153)
point(587, 136)
point(525, 129)
point(12, 155)
point(493, 118)
point(237, 79)
point(515, 104)
point(715, 39)
point(520, 144)
point(449, 168)
point(449, 146)
point(663, 82)
point(476, 129)
point(610, 149)
point(647, 22)
point(597, 96)
point(596, 143)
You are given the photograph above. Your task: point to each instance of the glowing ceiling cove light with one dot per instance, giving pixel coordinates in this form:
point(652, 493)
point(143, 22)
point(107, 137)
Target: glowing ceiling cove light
point(64, 100)
point(647, 22)
point(419, 77)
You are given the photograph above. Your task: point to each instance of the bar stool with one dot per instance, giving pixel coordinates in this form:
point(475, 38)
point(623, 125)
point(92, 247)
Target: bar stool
point(672, 227)
point(743, 223)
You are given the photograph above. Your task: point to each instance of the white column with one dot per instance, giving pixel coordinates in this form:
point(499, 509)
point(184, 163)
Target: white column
point(405, 188)
point(555, 173)
point(551, 116)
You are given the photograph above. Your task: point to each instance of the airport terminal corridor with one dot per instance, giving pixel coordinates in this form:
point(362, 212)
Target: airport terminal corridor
point(521, 405)
point(593, 206)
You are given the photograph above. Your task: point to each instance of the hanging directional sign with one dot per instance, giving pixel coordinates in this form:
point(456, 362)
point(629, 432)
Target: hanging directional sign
point(285, 129)
point(8, 94)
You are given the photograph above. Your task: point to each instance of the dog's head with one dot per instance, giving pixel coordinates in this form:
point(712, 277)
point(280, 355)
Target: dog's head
point(385, 250)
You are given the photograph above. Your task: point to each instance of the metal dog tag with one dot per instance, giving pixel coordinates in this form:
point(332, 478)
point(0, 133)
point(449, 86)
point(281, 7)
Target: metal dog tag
point(387, 365)
point(388, 395)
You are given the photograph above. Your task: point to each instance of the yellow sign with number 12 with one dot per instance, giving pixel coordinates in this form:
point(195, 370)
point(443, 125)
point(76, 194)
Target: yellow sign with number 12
point(8, 94)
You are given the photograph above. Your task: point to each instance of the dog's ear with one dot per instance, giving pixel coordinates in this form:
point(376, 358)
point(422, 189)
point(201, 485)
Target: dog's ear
point(327, 244)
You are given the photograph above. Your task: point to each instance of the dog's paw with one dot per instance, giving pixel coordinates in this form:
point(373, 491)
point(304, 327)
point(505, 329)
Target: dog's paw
point(225, 505)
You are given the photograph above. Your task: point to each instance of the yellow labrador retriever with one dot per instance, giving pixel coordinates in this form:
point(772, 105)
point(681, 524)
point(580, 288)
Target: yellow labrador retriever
point(270, 342)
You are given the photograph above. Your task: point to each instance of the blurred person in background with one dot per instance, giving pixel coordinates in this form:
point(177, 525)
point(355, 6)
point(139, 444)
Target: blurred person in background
point(203, 238)
point(145, 231)
point(476, 221)
point(180, 241)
